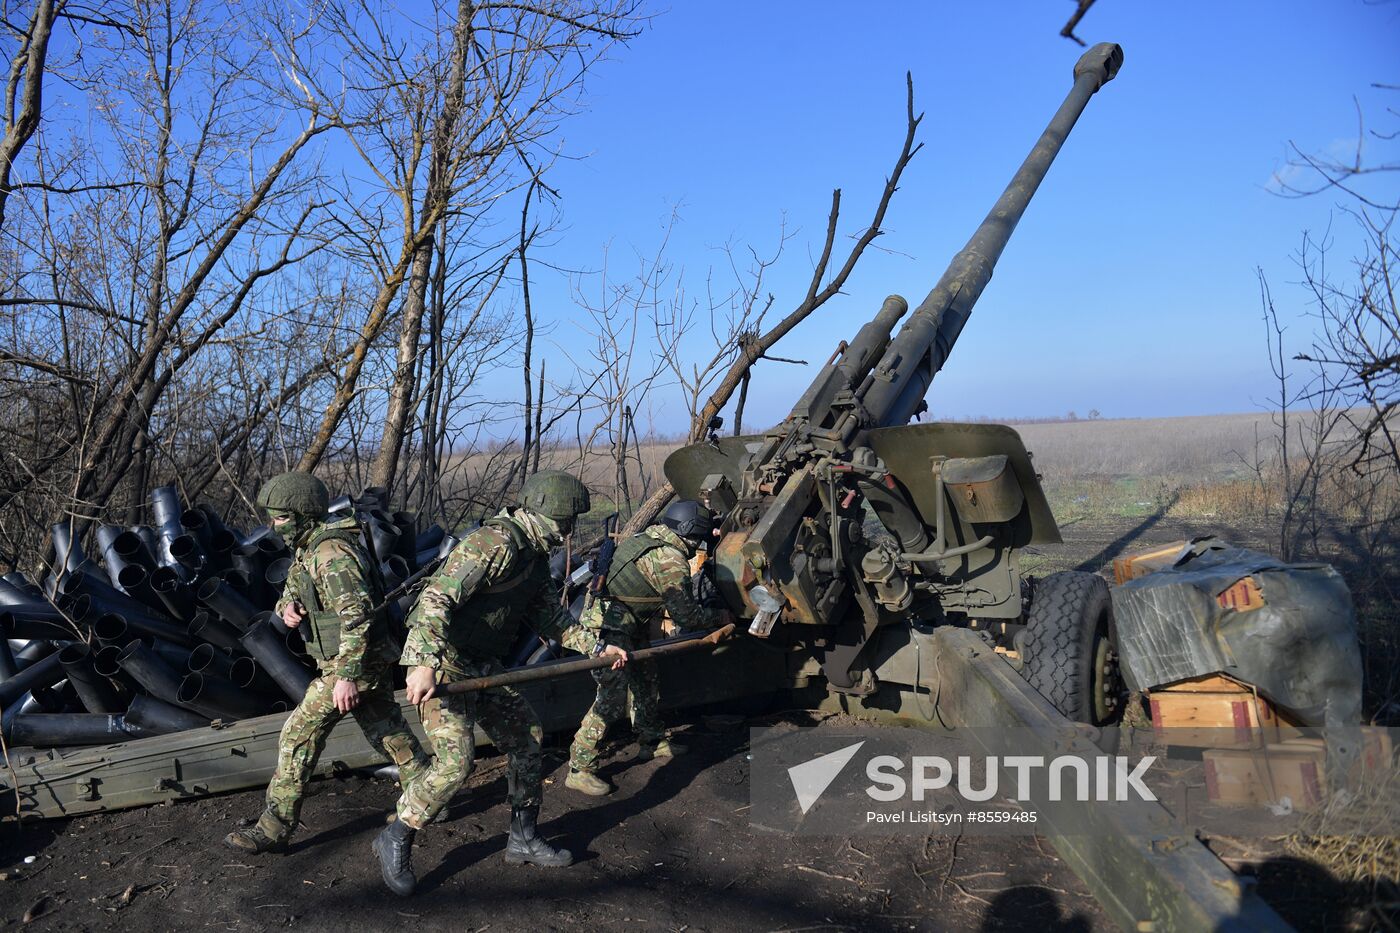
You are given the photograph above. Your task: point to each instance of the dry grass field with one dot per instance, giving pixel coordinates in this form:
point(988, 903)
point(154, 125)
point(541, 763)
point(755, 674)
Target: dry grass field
point(1202, 466)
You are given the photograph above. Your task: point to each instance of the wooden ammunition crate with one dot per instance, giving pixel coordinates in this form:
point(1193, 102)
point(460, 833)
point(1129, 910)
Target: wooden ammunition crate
point(1377, 754)
point(1296, 769)
point(1140, 565)
point(1212, 712)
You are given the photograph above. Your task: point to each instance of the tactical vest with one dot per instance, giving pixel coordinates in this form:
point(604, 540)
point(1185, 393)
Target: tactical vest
point(321, 629)
point(625, 582)
point(485, 624)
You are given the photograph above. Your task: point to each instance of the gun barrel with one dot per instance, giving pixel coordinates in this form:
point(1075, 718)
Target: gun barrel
point(922, 346)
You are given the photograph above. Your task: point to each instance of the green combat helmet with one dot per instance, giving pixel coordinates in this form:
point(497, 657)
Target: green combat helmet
point(556, 495)
point(300, 495)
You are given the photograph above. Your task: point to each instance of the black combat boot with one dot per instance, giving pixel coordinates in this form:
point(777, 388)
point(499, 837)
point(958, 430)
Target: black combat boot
point(394, 848)
point(525, 845)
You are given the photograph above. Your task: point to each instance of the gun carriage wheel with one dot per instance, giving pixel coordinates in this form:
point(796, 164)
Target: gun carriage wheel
point(1069, 652)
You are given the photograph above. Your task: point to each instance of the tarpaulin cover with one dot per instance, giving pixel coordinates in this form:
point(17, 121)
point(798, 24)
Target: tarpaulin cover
point(1298, 648)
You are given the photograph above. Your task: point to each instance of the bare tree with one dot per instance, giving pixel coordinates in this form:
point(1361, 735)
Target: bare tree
point(24, 91)
point(449, 133)
point(748, 335)
point(1339, 461)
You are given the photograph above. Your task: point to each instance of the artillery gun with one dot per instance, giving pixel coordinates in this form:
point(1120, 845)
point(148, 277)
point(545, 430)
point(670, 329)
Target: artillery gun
point(846, 520)
point(864, 546)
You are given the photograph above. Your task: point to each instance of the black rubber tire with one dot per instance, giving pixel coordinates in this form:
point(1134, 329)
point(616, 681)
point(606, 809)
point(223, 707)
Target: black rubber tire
point(1069, 613)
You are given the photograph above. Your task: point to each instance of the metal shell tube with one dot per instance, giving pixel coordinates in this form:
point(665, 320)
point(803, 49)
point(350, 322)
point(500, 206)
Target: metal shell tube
point(252, 538)
point(38, 623)
point(139, 619)
point(195, 523)
point(220, 548)
point(227, 603)
point(274, 621)
point(218, 699)
point(129, 549)
point(210, 628)
point(207, 659)
point(150, 671)
point(429, 539)
point(34, 650)
point(273, 546)
point(407, 525)
point(274, 580)
point(136, 582)
point(49, 699)
point(249, 560)
point(276, 573)
point(188, 553)
point(105, 661)
point(176, 656)
point(68, 554)
point(271, 653)
point(166, 509)
point(110, 629)
point(96, 693)
point(20, 582)
point(105, 598)
point(216, 524)
point(150, 540)
point(237, 579)
point(43, 673)
point(395, 571)
point(107, 536)
point(13, 711)
point(174, 595)
point(57, 730)
point(171, 633)
point(148, 716)
point(247, 674)
point(383, 536)
point(8, 666)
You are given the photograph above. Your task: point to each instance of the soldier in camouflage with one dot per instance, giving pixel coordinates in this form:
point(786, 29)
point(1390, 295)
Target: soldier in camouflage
point(466, 618)
point(650, 574)
point(330, 592)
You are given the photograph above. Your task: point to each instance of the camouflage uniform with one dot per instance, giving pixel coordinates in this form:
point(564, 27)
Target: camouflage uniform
point(467, 616)
point(328, 577)
point(661, 561)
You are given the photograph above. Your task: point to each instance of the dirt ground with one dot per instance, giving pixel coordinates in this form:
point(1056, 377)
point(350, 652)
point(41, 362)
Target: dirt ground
point(672, 850)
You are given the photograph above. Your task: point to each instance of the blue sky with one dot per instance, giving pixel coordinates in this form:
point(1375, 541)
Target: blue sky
point(1129, 286)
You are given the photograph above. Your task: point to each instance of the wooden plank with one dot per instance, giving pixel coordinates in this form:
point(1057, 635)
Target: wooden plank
point(1210, 683)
